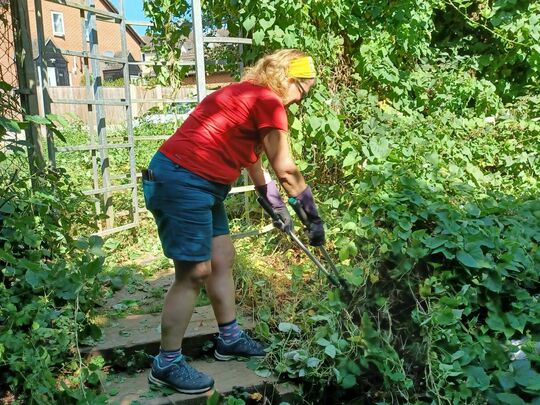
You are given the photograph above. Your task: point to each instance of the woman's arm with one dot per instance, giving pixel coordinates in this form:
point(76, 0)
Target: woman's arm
point(266, 188)
point(257, 174)
point(276, 147)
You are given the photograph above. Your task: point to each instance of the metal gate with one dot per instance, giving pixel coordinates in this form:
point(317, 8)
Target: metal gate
point(105, 184)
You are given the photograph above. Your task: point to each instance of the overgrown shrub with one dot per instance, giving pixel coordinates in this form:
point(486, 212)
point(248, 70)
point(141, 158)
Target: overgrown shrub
point(436, 224)
point(49, 287)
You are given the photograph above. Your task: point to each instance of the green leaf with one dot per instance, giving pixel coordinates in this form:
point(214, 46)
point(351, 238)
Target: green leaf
point(351, 159)
point(58, 134)
point(313, 362)
point(353, 367)
point(92, 268)
point(263, 372)
point(315, 122)
point(445, 317)
point(477, 378)
point(290, 40)
point(296, 124)
point(68, 290)
point(379, 147)
point(6, 207)
point(57, 118)
point(330, 350)
point(10, 125)
point(95, 331)
point(265, 24)
point(37, 119)
point(214, 399)
point(331, 152)
point(288, 327)
point(5, 86)
point(334, 124)
point(475, 171)
point(322, 342)
point(506, 380)
point(33, 278)
point(249, 23)
point(258, 37)
point(349, 381)
point(7, 257)
point(493, 281)
point(517, 322)
point(495, 322)
point(467, 260)
point(526, 376)
point(435, 242)
point(511, 399)
point(344, 253)
point(96, 245)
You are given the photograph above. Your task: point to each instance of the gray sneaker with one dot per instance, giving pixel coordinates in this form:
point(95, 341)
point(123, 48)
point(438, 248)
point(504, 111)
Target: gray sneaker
point(180, 376)
point(244, 346)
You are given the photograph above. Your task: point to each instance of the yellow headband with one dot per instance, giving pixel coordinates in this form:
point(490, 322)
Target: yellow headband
point(302, 68)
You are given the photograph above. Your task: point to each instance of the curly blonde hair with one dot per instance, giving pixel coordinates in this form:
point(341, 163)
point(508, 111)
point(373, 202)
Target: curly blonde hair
point(271, 70)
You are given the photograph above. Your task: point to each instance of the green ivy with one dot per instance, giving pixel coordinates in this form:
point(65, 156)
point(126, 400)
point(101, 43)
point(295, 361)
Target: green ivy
point(49, 279)
point(420, 143)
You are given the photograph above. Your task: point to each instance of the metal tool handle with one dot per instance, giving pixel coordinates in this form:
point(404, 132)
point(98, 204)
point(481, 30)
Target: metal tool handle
point(335, 278)
point(335, 281)
point(297, 207)
point(269, 210)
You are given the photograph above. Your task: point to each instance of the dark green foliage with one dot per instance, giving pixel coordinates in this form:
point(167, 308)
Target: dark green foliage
point(48, 284)
point(436, 222)
point(429, 186)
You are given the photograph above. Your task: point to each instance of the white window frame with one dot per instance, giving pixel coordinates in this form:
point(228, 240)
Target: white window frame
point(58, 33)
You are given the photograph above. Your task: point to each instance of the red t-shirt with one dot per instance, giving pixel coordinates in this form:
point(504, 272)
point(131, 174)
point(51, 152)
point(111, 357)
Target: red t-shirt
point(222, 134)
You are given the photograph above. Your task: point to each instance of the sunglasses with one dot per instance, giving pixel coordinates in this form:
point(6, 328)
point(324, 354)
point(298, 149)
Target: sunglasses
point(303, 91)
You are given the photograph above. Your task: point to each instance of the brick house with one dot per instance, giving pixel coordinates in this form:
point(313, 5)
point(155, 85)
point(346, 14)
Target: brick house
point(8, 70)
point(62, 29)
point(187, 45)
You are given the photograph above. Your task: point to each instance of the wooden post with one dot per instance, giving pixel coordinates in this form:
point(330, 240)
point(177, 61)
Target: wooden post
point(159, 95)
point(44, 99)
point(26, 74)
point(136, 108)
point(198, 41)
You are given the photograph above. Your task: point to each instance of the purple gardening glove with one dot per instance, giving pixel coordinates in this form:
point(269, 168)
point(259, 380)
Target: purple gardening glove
point(271, 194)
point(315, 226)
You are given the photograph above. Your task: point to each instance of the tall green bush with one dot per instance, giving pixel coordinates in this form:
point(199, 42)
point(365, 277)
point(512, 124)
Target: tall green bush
point(420, 143)
point(49, 269)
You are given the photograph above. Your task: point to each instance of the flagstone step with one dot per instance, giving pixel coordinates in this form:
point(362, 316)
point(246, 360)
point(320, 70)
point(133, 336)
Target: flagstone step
point(142, 333)
point(230, 377)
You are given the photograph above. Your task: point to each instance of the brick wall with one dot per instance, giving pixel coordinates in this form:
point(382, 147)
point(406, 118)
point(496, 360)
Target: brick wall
point(8, 70)
point(109, 37)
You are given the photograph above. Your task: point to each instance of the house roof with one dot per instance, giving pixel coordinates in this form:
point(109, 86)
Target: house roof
point(187, 44)
point(131, 31)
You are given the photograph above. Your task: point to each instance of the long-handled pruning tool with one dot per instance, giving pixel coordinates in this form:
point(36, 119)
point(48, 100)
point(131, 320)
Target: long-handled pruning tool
point(333, 276)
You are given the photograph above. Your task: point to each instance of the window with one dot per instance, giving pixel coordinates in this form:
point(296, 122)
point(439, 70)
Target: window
point(58, 24)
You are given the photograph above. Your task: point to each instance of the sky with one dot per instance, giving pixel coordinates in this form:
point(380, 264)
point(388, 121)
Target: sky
point(134, 12)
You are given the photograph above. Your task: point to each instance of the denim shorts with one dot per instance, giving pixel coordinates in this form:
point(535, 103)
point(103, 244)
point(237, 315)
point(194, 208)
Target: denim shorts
point(187, 208)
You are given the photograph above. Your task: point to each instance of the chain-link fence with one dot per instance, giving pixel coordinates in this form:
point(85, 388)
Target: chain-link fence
point(9, 106)
point(13, 161)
